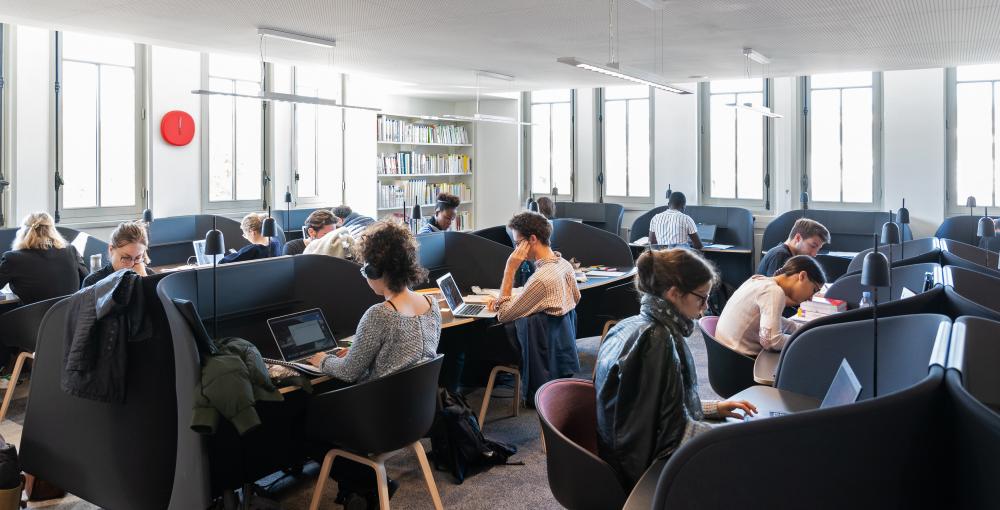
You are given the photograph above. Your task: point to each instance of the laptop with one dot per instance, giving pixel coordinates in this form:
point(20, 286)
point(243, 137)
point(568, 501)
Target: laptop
point(300, 335)
point(459, 308)
point(199, 253)
point(845, 389)
point(706, 232)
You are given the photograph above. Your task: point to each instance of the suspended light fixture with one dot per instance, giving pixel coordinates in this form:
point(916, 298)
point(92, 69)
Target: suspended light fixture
point(751, 55)
point(613, 68)
point(481, 117)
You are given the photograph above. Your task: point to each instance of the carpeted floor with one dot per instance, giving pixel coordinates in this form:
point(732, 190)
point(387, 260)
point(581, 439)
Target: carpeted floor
point(499, 488)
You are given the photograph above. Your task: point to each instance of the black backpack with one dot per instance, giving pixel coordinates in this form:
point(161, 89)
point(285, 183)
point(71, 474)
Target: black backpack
point(718, 298)
point(457, 443)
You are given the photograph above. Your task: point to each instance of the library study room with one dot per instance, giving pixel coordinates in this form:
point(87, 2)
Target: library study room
point(492, 255)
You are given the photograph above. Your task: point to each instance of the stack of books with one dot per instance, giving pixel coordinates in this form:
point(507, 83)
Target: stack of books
point(819, 307)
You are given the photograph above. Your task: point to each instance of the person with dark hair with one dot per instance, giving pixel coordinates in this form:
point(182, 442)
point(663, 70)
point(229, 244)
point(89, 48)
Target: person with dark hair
point(672, 228)
point(646, 385)
point(127, 249)
point(546, 207)
point(41, 264)
point(551, 288)
point(354, 222)
point(319, 223)
point(806, 238)
point(752, 320)
point(444, 214)
point(260, 247)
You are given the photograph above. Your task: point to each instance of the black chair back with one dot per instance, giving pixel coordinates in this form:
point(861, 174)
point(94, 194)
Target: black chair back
point(848, 288)
point(589, 245)
point(850, 230)
point(497, 234)
point(377, 416)
point(605, 216)
point(729, 372)
point(19, 327)
point(917, 251)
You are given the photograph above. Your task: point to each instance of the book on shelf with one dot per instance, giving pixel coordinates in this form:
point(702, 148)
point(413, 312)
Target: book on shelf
point(406, 163)
point(419, 190)
point(402, 131)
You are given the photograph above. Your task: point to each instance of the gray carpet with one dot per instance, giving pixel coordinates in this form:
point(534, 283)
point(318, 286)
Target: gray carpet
point(499, 488)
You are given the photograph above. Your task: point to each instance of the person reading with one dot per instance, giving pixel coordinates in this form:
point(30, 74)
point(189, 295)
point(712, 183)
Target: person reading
point(807, 237)
point(41, 264)
point(127, 249)
point(445, 211)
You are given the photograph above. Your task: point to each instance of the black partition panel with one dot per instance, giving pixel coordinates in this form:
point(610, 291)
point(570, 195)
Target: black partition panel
point(850, 230)
point(917, 251)
point(497, 234)
point(589, 245)
point(471, 259)
point(292, 221)
point(848, 288)
point(735, 224)
point(170, 238)
point(607, 217)
point(93, 245)
point(963, 229)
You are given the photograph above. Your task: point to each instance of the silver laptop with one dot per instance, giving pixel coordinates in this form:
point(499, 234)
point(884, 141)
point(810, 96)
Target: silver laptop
point(459, 308)
point(300, 335)
point(845, 389)
point(199, 253)
point(706, 232)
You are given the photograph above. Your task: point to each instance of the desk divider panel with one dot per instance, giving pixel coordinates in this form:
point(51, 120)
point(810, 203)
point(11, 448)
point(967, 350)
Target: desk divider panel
point(850, 230)
point(605, 216)
point(589, 245)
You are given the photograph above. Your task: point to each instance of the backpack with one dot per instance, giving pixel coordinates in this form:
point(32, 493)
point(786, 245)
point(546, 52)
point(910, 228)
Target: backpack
point(458, 444)
point(718, 298)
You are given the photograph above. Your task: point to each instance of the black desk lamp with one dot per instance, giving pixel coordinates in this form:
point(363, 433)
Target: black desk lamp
point(288, 206)
point(147, 216)
point(970, 203)
point(528, 202)
point(903, 217)
point(215, 245)
point(986, 230)
point(533, 206)
point(267, 229)
point(416, 214)
point(890, 236)
point(875, 273)
point(669, 192)
point(804, 200)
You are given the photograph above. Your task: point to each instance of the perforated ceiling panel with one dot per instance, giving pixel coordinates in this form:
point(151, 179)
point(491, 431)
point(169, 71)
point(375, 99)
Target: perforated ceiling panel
point(437, 43)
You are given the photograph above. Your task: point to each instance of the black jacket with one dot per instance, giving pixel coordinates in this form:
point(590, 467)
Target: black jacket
point(101, 319)
point(647, 390)
point(253, 252)
point(774, 259)
point(37, 275)
point(105, 272)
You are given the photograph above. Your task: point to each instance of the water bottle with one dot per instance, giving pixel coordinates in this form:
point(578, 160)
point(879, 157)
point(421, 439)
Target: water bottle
point(95, 262)
point(928, 281)
point(866, 299)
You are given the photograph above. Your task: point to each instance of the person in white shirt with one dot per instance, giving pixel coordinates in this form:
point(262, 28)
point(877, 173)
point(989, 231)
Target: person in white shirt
point(752, 321)
point(672, 228)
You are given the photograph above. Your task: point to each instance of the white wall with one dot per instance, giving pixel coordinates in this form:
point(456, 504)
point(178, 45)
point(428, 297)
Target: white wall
point(176, 171)
point(675, 154)
point(497, 163)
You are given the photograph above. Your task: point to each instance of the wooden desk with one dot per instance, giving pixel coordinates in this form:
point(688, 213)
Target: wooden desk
point(765, 367)
point(447, 319)
point(315, 380)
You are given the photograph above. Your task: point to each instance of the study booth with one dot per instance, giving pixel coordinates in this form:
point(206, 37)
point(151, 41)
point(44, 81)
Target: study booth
point(731, 228)
point(850, 231)
point(605, 216)
point(965, 228)
point(171, 238)
point(90, 245)
point(291, 221)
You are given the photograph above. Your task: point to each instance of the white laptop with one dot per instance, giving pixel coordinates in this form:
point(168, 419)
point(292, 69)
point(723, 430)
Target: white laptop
point(459, 308)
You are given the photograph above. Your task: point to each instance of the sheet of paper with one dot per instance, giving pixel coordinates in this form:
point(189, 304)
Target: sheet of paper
point(906, 293)
point(719, 246)
point(642, 241)
point(80, 243)
point(841, 254)
point(606, 274)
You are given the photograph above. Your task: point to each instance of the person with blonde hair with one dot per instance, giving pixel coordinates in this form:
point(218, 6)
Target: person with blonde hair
point(41, 264)
point(260, 247)
point(127, 249)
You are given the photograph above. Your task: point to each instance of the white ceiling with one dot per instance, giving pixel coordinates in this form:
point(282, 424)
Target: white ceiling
point(438, 43)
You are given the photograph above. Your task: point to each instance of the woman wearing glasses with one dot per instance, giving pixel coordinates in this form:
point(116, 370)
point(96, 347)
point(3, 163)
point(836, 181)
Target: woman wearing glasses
point(126, 250)
point(647, 388)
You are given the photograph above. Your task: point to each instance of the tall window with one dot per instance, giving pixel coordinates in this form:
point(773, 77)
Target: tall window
point(551, 141)
point(627, 169)
point(842, 111)
point(734, 151)
point(973, 129)
point(235, 130)
point(317, 161)
point(100, 128)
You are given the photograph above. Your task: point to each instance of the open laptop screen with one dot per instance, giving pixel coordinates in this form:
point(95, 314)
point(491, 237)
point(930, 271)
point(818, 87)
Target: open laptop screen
point(451, 292)
point(301, 334)
point(844, 389)
point(706, 232)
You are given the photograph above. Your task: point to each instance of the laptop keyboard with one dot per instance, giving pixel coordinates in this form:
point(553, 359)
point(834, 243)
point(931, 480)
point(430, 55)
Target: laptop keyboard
point(471, 309)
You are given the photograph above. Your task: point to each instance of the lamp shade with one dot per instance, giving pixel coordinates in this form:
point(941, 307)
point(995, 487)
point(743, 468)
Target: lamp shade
point(533, 206)
point(215, 243)
point(147, 216)
point(267, 227)
point(890, 233)
point(804, 199)
point(970, 202)
point(875, 270)
point(903, 216)
point(528, 202)
point(288, 196)
point(986, 227)
point(416, 214)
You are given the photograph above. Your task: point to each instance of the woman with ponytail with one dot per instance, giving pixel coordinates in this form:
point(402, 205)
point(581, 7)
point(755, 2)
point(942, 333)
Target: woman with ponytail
point(647, 388)
point(41, 264)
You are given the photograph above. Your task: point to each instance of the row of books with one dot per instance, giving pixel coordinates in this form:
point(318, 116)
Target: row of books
point(403, 163)
point(819, 307)
point(396, 130)
point(394, 195)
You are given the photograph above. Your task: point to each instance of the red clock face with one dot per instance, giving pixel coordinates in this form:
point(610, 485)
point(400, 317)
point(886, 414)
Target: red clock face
point(177, 128)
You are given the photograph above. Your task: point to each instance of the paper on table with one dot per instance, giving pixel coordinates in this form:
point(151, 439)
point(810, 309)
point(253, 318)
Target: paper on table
point(80, 243)
point(906, 293)
point(841, 254)
point(642, 241)
point(493, 293)
point(610, 274)
point(719, 246)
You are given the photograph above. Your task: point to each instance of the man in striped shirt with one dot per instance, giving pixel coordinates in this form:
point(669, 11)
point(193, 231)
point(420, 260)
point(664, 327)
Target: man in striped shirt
point(551, 288)
point(672, 228)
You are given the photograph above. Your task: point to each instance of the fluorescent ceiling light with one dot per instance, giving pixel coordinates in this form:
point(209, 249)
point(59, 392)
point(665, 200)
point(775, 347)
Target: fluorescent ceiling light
point(482, 117)
point(617, 71)
point(756, 56)
point(285, 98)
point(654, 4)
point(292, 36)
point(763, 110)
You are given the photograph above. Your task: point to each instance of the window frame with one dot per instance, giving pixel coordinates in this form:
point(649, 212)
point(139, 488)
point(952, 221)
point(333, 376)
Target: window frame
point(6, 191)
point(954, 205)
point(97, 214)
point(526, 104)
point(705, 151)
point(318, 199)
point(805, 175)
point(600, 164)
point(234, 206)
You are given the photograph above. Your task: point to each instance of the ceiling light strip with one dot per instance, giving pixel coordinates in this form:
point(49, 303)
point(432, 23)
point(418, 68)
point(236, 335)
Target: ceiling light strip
point(617, 71)
point(301, 38)
point(285, 98)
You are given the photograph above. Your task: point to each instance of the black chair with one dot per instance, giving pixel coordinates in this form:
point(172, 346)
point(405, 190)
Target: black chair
point(589, 245)
point(850, 230)
point(974, 286)
point(369, 422)
point(960, 228)
point(848, 288)
point(729, 372)
point(20, 330)
point(605, 216)
point(497, 234)
point(917, 251)
point(578, 477)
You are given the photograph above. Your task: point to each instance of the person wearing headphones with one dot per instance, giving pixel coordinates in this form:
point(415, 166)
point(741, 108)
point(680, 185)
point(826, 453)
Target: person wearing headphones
point(319, 223)
point(444, 214)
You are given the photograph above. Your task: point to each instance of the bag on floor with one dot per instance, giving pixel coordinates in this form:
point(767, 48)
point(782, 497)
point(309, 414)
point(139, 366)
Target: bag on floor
point(458, 444)
point(718, 298)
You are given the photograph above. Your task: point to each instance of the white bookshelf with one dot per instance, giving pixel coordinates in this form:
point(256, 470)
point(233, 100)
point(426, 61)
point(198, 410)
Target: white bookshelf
point(417, 156)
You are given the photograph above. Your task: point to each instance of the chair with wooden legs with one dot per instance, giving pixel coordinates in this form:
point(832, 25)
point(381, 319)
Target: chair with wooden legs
point(19, 330)
point(370, 422)
point(515, 405)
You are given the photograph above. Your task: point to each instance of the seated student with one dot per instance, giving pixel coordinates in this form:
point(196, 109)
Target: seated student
point(260, 247)
point(41, 264)
point(806, 238)
point(399, 332)
point(317, 225)
point(672, 228)
point(551, 288)
point(126, 250)
point(444, 214)
point(752, 321)
point(546, 207)
point(352, 221)
point(647, 389)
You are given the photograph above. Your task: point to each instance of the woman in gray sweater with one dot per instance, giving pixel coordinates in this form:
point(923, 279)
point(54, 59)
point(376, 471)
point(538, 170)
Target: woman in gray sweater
point(400, 332)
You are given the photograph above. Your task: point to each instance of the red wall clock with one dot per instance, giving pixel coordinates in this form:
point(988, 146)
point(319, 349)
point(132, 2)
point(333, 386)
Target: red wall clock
point(177, 128)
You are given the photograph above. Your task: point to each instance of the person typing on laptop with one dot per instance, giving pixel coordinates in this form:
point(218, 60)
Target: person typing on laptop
point(551, 288)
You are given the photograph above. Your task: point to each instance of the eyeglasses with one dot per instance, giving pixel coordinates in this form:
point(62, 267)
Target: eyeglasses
point(703, 300)
point(131, 261)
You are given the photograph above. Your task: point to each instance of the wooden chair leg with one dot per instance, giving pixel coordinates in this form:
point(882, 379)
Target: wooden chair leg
point(383, 486)
point(8, 396)
point(324, 474)
point(604, 334)
point(517, 390)
point(428, 475)
point(486, 396)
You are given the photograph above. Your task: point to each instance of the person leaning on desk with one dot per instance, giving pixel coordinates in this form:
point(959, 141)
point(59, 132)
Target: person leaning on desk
point(807, 237)
point(318, 224)
point(127, 249)
point(647, 388)
point(41, 264)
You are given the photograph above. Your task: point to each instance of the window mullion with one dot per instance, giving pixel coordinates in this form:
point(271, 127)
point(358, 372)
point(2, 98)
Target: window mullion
point(736, 149)
point(840, 127)
point(97, 173)
point(552, 173)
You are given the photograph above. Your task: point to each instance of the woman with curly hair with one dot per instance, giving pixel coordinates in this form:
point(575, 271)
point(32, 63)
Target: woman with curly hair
point(400, 332)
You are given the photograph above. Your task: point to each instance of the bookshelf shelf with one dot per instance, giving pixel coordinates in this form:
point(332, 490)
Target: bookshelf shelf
point(414, 176)
point(422, 206)
point(386, 142)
